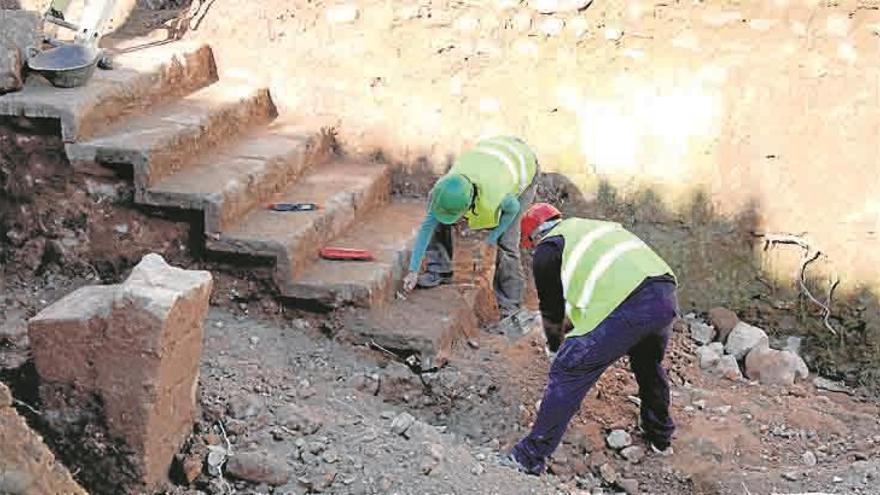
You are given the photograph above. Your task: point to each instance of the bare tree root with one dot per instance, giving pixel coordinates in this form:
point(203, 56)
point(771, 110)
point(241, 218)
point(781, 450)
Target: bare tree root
point(810, 255)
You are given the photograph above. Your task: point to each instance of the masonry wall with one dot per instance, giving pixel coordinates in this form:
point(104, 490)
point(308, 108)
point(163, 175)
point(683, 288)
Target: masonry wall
point(769, 104)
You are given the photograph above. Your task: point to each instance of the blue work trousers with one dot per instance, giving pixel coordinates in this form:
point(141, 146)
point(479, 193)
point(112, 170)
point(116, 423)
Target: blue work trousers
point(639, 327)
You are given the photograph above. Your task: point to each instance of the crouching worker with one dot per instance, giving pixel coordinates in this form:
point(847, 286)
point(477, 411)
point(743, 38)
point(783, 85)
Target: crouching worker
point(603, 293)
point(489, 186)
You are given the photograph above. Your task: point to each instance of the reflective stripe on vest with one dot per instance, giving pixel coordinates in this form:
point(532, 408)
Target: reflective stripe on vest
point(602, 263)
point(498, 166)
point(504, 149)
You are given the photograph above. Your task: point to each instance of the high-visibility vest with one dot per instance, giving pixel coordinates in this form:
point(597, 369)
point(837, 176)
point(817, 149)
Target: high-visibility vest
point(498, 166)
point(602, 263)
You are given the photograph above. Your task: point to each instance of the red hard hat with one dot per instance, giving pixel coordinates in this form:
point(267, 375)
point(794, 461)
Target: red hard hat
point(537, 214)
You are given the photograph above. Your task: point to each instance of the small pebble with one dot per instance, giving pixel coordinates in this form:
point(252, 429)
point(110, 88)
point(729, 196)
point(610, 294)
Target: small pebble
point(809, 459)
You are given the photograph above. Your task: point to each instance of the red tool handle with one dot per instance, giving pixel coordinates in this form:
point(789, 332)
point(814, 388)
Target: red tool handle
point(334, 253)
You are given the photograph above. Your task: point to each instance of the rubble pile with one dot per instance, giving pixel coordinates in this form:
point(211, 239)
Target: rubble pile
point(728, 346)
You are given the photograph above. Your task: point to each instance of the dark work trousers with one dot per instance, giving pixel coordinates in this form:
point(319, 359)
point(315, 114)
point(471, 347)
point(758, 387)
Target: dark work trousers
point(640, 327)
point(509, 282)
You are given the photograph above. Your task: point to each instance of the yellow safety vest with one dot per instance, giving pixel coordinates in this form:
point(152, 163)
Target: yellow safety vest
point(498, 166)
point(602, 263)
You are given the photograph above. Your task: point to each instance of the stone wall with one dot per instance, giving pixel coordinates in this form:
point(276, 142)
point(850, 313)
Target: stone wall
point(771, 105)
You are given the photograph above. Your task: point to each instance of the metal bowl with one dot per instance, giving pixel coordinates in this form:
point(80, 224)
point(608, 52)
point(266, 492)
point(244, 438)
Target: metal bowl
point(66, 66)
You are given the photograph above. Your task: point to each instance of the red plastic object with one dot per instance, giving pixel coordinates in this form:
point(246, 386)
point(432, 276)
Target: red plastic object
point(332, 253)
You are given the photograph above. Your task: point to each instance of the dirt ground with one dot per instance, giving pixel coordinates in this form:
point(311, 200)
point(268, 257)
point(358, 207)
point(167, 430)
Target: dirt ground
point(260, 380)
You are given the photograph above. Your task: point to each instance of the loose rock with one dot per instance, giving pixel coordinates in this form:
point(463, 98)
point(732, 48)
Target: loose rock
point(743, 338)
point(629, 485)
point(633, 453)
point(724, 320)
point(190, 467)
point(618, 439)
point(330, 456)
point(258, 467)
point(809, 459)
point(299, 419)
point(728, 368)
point(709, 355)
point(244, 406)
point(608, 473)
point(772, 367)
point(587, 481)
point(402, 423)
point(701, 333)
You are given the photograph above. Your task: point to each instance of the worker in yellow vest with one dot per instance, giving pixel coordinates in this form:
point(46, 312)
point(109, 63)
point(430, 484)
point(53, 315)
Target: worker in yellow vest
point(603, 294)
point(489, 186)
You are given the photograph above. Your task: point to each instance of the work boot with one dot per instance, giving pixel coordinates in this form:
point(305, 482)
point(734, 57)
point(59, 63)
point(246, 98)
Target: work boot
point(662, 452)
point(428, 280)
point(509, 461)
point(519, 323)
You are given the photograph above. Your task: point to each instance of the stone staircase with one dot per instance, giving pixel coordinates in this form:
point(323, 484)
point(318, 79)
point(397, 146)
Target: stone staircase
point(193, 142)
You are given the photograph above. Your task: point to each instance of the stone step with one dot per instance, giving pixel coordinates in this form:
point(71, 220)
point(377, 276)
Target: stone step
point(164, 140)
point(388, 232)
point(428, 323)
point(344, 190)
point(139, 78)
point(431, 322)
point(231, 181)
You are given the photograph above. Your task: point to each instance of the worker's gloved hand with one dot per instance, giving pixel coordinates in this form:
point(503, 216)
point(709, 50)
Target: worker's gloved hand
point(410, 280)
point(553, 334)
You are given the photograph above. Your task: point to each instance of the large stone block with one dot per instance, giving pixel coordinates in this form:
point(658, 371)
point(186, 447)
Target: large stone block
point(125, 358)
point(27, 466)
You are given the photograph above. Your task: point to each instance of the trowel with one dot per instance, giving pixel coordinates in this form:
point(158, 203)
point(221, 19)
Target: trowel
point(71, 64)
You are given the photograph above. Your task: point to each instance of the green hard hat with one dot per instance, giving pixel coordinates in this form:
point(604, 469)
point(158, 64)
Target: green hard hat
point(451, 198)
